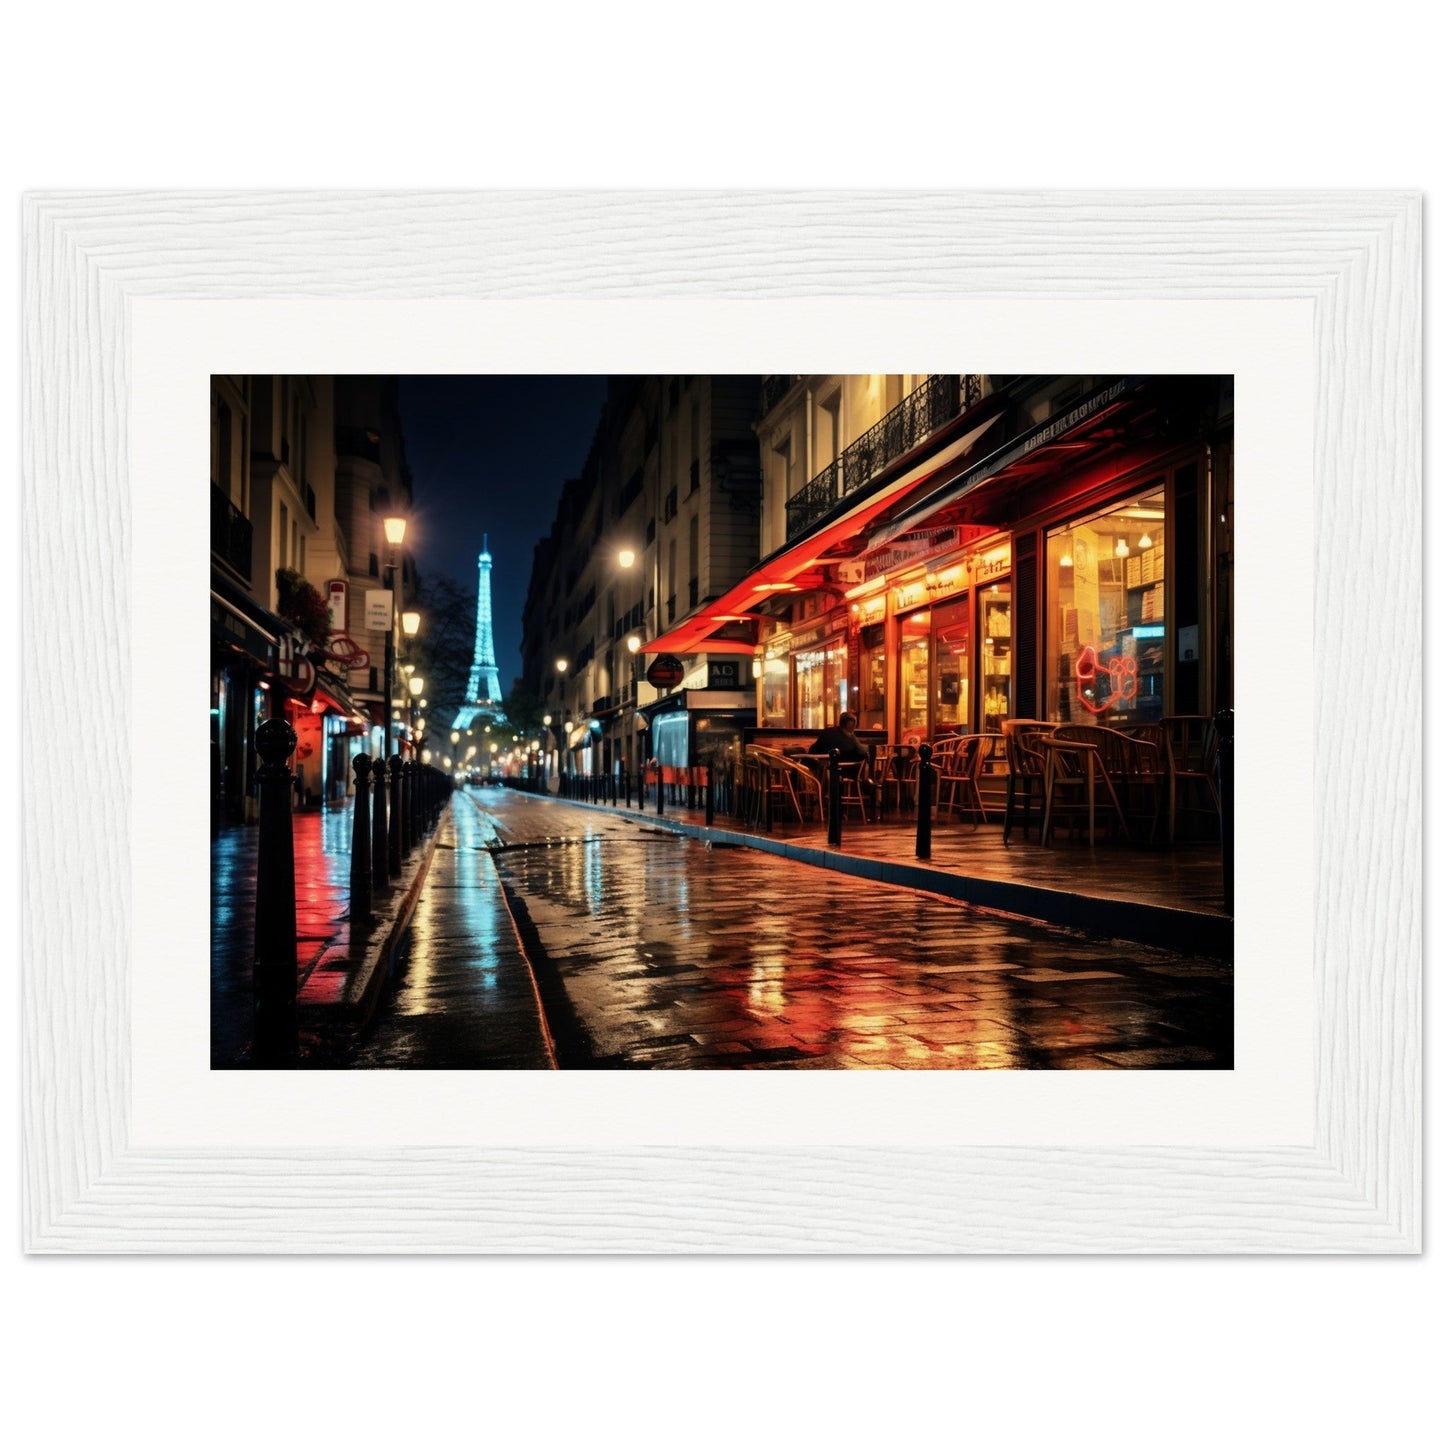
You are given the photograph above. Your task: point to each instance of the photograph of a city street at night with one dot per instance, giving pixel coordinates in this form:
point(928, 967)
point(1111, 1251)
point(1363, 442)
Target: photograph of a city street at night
point(722, 722)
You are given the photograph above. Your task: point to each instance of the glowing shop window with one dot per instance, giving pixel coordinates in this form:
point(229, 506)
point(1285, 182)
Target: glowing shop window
point(1107, 629)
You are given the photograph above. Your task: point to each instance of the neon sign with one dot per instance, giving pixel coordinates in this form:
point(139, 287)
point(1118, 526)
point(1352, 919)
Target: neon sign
point(1123, 675)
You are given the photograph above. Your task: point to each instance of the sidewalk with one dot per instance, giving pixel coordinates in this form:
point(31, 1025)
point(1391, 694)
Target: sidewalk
point(340, 968)
point(1165, 897)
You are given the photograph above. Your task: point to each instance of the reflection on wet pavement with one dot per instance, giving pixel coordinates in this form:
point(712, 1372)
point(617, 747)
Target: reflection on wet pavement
point(675, 954)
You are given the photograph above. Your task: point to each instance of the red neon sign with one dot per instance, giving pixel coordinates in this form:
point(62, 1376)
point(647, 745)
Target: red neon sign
point(1123, 675)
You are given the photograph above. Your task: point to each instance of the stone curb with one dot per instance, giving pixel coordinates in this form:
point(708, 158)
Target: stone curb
point(1181, 930)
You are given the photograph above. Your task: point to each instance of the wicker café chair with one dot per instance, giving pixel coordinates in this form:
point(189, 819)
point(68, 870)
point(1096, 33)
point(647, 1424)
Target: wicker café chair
point(1081, 765)
point(959, 774)
point(1025, 770)
point(1192, 746)
point(895, 771)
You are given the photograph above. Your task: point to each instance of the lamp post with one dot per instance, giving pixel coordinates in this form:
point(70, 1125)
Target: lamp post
point(395, 529)
point(634, 746)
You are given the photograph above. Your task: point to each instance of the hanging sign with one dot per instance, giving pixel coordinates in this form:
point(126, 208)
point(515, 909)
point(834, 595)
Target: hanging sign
point(336, 604)
point(666, 671)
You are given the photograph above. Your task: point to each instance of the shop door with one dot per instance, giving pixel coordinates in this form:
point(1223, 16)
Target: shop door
point(995, 631)
point(952, 652)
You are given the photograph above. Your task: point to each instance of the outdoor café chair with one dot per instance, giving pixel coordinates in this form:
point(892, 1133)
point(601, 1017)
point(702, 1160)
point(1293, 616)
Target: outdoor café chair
point(959, 773)
point(1077, 780)
point(1192, 745)
point(1025, 769)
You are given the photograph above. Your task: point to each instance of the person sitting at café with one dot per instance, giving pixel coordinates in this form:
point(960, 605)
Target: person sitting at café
point(851, 752)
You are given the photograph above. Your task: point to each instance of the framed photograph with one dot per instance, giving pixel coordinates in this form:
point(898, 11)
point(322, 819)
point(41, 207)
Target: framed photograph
point(1311, 303)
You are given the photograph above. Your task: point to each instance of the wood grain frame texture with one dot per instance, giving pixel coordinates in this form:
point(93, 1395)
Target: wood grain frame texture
point(1357, 256)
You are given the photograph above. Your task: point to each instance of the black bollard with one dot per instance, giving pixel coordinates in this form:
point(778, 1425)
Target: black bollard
point(1224, 766)
point(925, 802)
point(707, 792)
point(660, 789)
point(835, 801)
point(380, 866)
point(361, 841)
point(404, 816)
point(393, 851)
point(273, 973)
point(413, 817)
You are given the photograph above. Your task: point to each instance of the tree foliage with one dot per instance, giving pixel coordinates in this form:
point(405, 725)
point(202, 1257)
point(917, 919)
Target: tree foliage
point(524, 709)
point(442, 650)
point(302, 605)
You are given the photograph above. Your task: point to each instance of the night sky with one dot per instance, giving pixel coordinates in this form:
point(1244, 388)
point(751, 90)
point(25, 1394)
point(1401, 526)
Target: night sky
point(489, 454)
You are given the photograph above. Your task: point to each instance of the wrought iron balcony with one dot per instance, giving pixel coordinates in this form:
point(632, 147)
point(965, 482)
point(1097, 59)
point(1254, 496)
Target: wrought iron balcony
point(231, 533)
point(921, 413)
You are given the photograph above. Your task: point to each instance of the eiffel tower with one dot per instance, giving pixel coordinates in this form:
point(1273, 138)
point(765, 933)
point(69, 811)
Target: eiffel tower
point(484, 690)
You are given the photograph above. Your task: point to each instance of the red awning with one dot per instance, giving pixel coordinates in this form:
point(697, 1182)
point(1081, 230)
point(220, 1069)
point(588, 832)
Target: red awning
point(797, 568)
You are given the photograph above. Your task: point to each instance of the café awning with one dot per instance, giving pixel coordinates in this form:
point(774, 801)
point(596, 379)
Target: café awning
point(798, 565)
point(1060, 440)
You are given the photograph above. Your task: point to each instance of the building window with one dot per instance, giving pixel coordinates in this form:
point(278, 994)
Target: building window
point(1105, 601)
point(775, 692)
point(826, 433)
point(372, 566)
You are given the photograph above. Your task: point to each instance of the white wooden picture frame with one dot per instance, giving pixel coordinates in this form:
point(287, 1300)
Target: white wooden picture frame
point(93, 263)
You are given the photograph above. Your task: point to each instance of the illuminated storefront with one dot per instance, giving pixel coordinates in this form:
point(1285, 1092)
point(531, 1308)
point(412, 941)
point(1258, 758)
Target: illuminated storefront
point(1075, 568)
point(1106, 614)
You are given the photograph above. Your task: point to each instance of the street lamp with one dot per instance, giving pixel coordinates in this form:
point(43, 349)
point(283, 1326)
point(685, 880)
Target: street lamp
point(395, 529)
point(626, 557)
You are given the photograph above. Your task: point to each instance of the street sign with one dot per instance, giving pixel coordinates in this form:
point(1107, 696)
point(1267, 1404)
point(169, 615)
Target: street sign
point(378, 610)
point(725, 676)
point(666, 671)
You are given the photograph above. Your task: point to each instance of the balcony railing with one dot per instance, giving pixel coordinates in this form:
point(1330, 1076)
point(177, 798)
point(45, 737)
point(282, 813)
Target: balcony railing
point(921, 413)
point(231, 533)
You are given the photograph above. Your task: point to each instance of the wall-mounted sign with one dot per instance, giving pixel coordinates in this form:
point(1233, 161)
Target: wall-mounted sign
point(725, 676)
point(336, 604)
point(915, 546)
point(666, 671)
point(378, 610)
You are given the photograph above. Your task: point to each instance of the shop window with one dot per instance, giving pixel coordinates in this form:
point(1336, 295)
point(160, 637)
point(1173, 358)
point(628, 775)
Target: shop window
point(1107, 629)
point(808, 668)
point(775, 692)
point(835, 682)
point(872, 671)
point(913, 644)
point(951, 638)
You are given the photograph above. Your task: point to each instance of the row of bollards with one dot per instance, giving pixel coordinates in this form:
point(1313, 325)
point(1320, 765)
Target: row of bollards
point(381, 838)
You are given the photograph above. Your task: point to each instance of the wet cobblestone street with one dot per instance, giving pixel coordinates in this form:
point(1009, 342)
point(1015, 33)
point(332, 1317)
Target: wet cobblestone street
point(651, 950)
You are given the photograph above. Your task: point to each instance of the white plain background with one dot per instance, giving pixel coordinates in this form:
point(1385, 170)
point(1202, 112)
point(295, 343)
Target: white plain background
point(1121, 96)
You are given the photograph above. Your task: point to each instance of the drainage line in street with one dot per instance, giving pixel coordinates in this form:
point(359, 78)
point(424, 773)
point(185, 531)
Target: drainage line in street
point(569, 1044)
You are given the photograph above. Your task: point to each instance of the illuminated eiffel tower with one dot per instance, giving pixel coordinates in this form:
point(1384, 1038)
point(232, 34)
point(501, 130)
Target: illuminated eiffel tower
point(484, 689)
